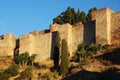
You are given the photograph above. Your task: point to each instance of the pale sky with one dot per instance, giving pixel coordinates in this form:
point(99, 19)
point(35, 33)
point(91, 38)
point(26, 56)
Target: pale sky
point(23, 16)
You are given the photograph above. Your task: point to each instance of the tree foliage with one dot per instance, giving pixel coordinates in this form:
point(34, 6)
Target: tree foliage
point(89, 15)
point(84, 51)
point(72, 17)
point(31, 59)
point(25, 59)
point(4, 76)
point(27, 74)
point(81, 53)
point(94, 48)
point(65, 64)
point(11, 71)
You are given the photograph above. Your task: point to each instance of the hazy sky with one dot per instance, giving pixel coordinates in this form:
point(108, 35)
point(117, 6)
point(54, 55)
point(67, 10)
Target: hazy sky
point(23, 16)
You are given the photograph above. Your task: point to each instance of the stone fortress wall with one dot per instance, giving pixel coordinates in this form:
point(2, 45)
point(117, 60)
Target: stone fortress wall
point(115, 28)
point(104, 28)
point(7, 44)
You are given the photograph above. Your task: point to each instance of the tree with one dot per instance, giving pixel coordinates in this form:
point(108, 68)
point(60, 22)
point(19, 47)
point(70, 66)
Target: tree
point(4, 76)
point(13, 70)
point(77, 17)
point(89, 15)
point(65, 64)
point(67, 16)
point(58, 20)
point(73, 14)
point(81, 52)
point(31, 59)
point(56, 51)
point(72, 17)
point(27, 74)
point(22, 59)
point(94, 48)
point(83, 17)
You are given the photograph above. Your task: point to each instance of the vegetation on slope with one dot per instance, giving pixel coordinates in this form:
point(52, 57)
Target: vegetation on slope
point(103, 65)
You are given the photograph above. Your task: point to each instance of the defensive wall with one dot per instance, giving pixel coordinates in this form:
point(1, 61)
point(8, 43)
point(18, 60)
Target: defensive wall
point(7, 44)
point(104, 28)
point(115, 28)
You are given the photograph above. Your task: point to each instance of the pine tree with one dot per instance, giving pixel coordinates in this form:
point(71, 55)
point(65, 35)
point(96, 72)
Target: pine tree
point(72, 17)
point(83, 17)
point(73, 14)
point(90, 13)
point(58, 20)
point(77, 17)
point(67, 15)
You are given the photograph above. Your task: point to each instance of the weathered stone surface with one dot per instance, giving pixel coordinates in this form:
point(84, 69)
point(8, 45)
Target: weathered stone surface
point(102, 18)
point(77, 35)
point(7, 44)
point(104, 28)
point(36, 44)
point(115, 28)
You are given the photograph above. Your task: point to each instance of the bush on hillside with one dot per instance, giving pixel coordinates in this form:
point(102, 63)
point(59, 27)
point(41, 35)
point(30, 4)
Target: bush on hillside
point(25, 59)
point(12, 70)
point(83, 51)
point(27, 74)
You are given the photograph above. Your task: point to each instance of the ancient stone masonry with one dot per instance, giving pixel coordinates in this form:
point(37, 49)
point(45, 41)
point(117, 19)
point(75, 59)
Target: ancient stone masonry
point(104, 28)
point(7, 44)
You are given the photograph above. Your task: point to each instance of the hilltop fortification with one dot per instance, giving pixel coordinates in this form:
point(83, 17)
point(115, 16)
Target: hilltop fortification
point(104, 28)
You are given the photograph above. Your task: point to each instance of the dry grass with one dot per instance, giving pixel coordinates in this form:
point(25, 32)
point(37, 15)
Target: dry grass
point(48, 63)
point(5, 62)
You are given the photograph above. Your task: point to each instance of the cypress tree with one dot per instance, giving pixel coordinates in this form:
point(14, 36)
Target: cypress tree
point(65, 64)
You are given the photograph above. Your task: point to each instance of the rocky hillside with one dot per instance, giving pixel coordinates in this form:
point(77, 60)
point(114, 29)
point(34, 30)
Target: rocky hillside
point(104, 66)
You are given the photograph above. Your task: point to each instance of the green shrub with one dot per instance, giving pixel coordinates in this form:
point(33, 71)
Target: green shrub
point(4, 76)
point(12, 70)
point(1, 71)
point(22, 58)
point(85, 62)
point(94, 48)
point(27, 74)
point(25, 59)
point(9, 57)
point(31, 59)
point(49, 77)
point(81, 52)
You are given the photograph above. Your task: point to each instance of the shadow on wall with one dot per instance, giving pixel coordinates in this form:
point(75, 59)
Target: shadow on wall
point(89, 33)
point(16, 50)
point(110, 74)
point(54, 35)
